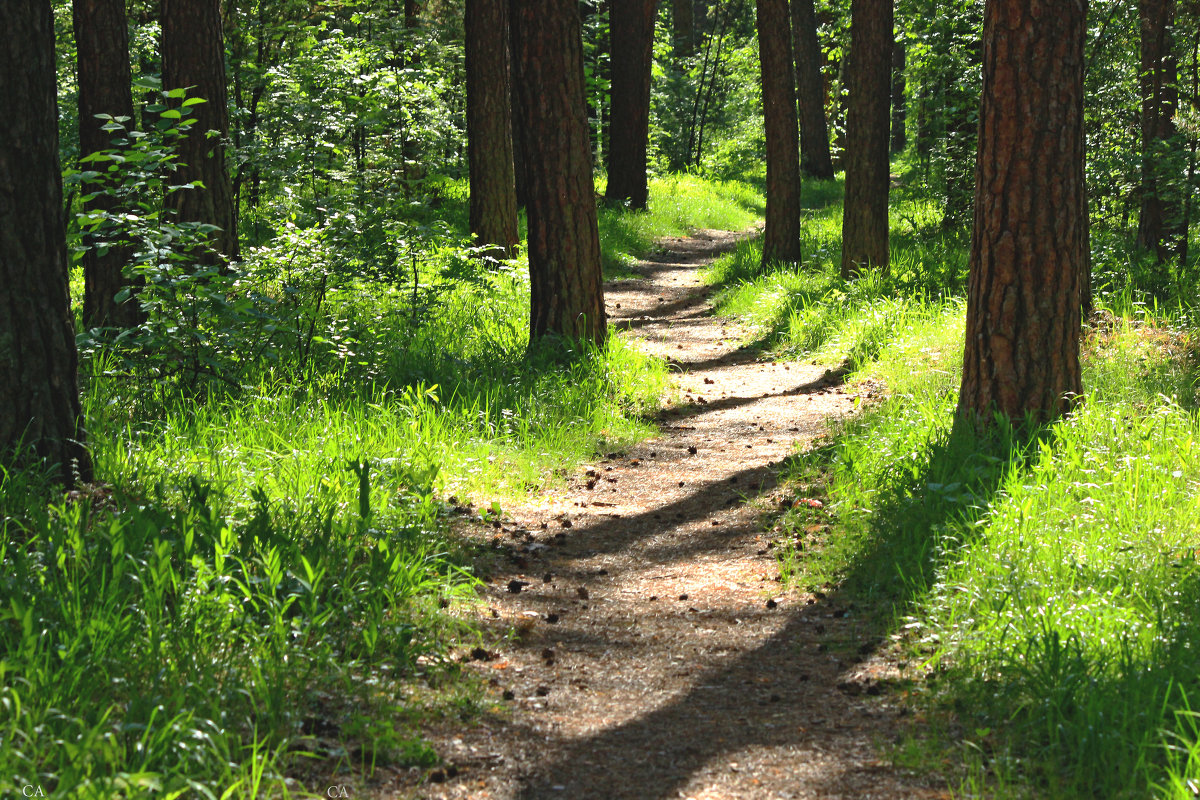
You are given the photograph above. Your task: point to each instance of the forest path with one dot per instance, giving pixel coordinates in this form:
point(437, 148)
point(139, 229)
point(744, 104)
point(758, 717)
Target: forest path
point(657, 655)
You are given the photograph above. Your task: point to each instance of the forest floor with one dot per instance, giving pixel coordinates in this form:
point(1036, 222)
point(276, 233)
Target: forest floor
point(655, 652)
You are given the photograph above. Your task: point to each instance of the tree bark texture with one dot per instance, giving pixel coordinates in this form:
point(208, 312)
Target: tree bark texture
point(563, 240)
point(815, 159)
point(868, 74)
point(193, 56)
point(781, 239)
point(684, 24)
point(102, 44)
point(493, 206)
point(631, 26)
point(39, 393)
point(518, 133)
point(1029, 244)
point(1158, 82)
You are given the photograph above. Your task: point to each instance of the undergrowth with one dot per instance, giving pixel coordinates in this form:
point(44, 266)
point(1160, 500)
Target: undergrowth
point(264, 589)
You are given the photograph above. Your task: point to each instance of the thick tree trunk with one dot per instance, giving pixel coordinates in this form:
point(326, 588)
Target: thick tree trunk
point(194, 56)
point(899, 102)
point(102, 44)
point(869, 67)
point(564, 244)
point(684, 23)
point(39, 393)
point(781, 239)
point(1029, 246)
point(815, 159)
point(1160, 100)
point(631, 27)
point(493, 209)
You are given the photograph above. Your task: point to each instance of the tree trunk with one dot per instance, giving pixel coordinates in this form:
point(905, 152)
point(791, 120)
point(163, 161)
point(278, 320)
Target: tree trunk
point(564, 244)
point(781, 239)
point(815, 159)
point(684, 24)
point(1160, 100)
point(1029, 245)
point(868, 69)
point(39, 392)
point(518, 132)
point(899, 103)
point(631, 28)
point(493, 209)
point(194, 56)
point(102, 45)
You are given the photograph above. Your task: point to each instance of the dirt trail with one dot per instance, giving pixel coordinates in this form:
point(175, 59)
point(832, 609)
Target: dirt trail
point(658, 657)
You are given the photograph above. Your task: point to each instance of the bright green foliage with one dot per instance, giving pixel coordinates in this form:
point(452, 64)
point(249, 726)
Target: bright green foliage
point(262, 574)
point(706, 110)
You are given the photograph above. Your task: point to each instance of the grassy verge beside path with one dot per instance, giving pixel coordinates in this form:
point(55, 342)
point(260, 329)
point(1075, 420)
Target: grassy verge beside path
point(264, 588)
point(1041, 587)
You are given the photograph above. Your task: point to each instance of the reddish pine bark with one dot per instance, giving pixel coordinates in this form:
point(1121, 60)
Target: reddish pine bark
point(781, 239)
point(1029, 246)
point(39, 394)
point(193, 55)
point(564, 244)
point(868, 75)
point(493, 207)
point(815, 159)
point(102, 44)
point(631, 25)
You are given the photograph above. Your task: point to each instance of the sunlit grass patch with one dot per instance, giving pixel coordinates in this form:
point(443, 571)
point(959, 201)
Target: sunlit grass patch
point(267, 578)
point(678, 205)
point(1051, 580)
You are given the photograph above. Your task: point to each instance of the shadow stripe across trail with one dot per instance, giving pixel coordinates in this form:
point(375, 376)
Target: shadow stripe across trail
point(651, 663)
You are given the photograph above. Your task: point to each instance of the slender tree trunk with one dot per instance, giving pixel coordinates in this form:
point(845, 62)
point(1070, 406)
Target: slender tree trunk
point(631, 28)
point(102, 45)
point(683, 21)
point(564, 245)
point(518, 132)
point(815, 159)
point(193, 55)
point(781, 239)
point(899, 103)
point(1160, 100)
point(39, 392)
point(493, 208)
point(722, 28)
point(1029, 246)
point(865, 218)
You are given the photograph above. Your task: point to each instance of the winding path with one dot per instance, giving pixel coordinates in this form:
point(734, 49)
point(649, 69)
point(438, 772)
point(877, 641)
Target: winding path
point(658, 656)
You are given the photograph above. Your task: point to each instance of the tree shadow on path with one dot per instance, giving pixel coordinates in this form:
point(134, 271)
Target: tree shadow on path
point(790, 694)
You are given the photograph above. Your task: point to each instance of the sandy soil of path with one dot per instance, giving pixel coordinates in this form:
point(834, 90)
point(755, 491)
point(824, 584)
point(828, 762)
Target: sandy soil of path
point(658, 656)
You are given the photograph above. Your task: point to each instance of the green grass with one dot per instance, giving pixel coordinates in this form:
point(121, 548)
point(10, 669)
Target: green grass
point(678, 204)
point(1044, 583)
point(266, 584)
